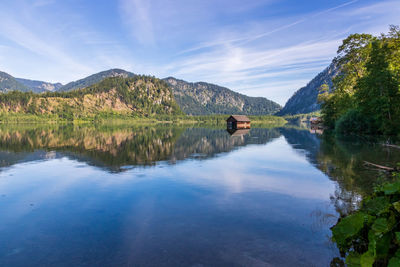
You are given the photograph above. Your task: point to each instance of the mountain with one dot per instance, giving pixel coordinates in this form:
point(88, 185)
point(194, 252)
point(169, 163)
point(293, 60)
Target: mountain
point(305, 99)
point(95, 78)
point(193, 98)
point(139, 95)
point(204, 98)
point(9, 83)
point(40, 86)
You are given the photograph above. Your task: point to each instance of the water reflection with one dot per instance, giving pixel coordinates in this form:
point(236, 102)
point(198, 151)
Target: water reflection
point(118, 147)
point(177, 196)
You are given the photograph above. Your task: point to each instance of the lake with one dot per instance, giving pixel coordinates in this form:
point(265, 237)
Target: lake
point(166, 195)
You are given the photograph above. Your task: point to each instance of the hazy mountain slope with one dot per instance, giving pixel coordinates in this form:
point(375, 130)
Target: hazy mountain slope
point(305, 99)
point(139, 95)
point(95, 78)
point(40, 86)
point(193, 98)
point(9, 83)
point(203, 98)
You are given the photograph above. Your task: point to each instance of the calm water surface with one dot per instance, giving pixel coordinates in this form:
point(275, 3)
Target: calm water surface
point(175, 196)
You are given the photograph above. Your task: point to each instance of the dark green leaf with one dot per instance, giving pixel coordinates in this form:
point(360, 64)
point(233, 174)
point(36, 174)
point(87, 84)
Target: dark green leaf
point(353, 260)
point(397, 236)
point(348, 227)
point(375, 206)
point(394, 262)
point(380, 225)
point(383, 245)
point(389, 189)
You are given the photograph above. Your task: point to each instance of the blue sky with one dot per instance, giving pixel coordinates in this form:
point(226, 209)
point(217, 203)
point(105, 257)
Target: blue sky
point(264, 48)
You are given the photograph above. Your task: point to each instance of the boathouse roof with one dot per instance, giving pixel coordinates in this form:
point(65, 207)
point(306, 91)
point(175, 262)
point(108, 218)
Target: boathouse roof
point(241, 118)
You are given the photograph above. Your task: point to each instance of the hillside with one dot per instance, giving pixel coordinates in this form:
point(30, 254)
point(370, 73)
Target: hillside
point(203, 99)
point(305, 99)
point(95, 78)
point(9, 83)
point(138, 96)
point(40, 86)
point(193, 98)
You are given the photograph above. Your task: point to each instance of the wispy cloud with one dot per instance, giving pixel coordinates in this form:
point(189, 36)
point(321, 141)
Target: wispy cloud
point(137, 17)
point(261, 48)
point(22, 36)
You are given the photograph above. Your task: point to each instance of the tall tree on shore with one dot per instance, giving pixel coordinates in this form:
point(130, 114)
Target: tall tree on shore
point(366, 92)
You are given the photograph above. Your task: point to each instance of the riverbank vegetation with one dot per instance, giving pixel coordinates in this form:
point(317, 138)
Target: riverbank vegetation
point(366, 95)
point(371, 235)
point(115, 118)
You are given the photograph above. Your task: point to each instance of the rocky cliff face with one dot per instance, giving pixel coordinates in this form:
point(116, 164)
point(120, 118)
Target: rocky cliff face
point(203, 98)
point(40, 86)
point(305, 99)
point(9, 83)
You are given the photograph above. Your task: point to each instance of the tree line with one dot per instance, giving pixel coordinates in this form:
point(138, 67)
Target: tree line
point(365, 97)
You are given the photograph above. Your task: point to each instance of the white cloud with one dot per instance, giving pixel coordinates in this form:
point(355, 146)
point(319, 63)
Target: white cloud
point(136, 15)
point(213, 41)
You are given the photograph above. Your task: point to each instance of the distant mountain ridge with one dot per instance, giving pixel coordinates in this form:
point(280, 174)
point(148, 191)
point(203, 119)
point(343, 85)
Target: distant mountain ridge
point(202, 98)
point(305, 100)
point(198, 98)
point(9, 83)
point(95, 78)
point(40, 86)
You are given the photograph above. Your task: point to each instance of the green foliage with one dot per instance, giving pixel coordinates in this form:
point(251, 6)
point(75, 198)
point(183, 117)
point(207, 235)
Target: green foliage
point(353, 121)
point(371, 236)
point(367, 88)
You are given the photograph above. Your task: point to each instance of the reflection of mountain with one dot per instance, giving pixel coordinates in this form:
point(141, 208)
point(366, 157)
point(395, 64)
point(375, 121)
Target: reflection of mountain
point(342, 160)
point(114, 147)
point(205, 143)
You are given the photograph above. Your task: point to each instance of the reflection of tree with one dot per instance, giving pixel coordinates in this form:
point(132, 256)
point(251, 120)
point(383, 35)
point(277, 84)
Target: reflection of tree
point(205, 143)
point(117, 146)
point(109, 146)
point(342, 160)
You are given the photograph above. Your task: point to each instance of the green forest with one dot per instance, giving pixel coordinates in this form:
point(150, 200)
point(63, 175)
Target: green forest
point(366, 95)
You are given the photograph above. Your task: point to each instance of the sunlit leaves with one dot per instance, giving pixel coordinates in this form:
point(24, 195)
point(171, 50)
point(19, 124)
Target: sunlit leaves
point(368, 84)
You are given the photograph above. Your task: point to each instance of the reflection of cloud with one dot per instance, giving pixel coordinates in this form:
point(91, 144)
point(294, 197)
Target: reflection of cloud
point(273, 168)
point(256, 168)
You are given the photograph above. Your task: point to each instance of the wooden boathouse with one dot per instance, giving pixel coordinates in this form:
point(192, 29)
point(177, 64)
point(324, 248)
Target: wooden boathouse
point(238, 122)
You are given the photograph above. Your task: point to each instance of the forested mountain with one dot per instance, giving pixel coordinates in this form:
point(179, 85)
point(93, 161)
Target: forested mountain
point(305, 100)
point(9, 83)
point(137, 96)
point(193, 98)
point(95, 78)
point(204, 98)
point(39, 86)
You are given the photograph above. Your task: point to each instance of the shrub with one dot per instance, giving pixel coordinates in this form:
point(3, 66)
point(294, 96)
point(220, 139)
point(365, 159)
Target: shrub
point(353, 122)
point(371, 236)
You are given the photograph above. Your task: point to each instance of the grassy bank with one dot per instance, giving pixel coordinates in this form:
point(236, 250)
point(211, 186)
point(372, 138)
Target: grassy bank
point(218, 120)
